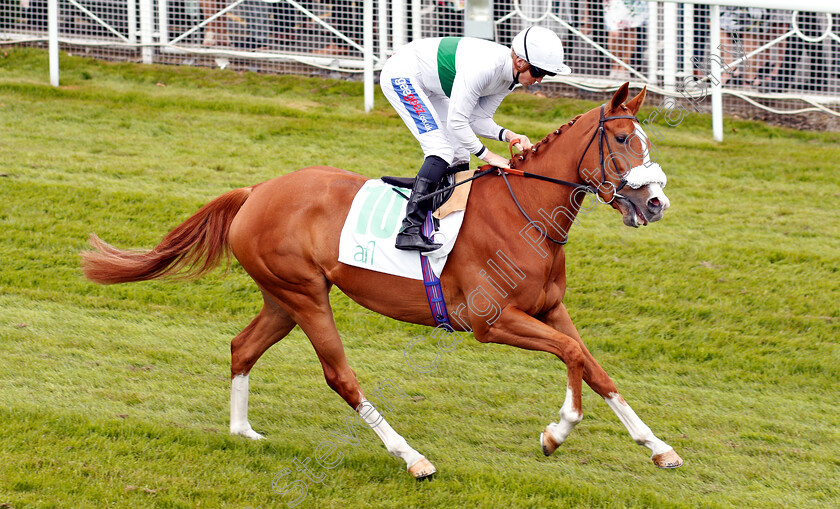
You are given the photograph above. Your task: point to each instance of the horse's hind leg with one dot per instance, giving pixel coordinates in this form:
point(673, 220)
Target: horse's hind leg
point(318, 324)
point(270, 326)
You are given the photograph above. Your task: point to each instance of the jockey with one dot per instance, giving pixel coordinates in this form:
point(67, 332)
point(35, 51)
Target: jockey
point(447, 90)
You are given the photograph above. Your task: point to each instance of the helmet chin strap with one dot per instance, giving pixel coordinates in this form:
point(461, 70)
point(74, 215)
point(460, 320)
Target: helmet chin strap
point(518, 70)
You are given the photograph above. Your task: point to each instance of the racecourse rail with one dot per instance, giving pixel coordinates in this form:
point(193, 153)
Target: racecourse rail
point(743, 54)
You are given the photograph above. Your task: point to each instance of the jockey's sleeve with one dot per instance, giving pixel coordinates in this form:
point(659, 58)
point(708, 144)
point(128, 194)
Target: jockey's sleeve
point(470, 114)
point(482, 122)
point(462, 103)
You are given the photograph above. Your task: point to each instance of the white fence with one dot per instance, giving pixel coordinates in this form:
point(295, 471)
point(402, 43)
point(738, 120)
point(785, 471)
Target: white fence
point(744, 53)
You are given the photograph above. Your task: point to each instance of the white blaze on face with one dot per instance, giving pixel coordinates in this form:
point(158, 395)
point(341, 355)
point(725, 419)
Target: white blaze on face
point(648, 173)
point(657, 192)
point(643, 139)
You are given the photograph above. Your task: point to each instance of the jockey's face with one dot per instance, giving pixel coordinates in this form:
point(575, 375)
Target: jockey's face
point(526, 78)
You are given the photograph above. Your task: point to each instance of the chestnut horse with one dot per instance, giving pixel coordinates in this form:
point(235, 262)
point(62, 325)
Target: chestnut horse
point(285, 233)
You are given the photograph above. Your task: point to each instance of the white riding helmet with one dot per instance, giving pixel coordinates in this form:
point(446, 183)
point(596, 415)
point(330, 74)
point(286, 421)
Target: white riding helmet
point(541, 48)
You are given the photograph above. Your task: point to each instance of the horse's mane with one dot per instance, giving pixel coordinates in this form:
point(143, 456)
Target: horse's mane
point(520, 158)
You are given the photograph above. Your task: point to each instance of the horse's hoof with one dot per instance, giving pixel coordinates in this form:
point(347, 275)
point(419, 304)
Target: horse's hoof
point(422, 469)
point(668, 459)
point(548, 443)
point(253, 435)
point(247, 433)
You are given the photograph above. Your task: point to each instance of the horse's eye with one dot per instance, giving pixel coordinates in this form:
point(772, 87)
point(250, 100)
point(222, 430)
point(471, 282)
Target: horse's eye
point(621, 138)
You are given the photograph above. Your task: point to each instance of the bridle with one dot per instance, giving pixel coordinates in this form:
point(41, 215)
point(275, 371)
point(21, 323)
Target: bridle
point(601, 134)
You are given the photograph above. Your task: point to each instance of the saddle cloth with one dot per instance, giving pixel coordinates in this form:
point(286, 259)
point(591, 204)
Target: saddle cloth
point(370, 230)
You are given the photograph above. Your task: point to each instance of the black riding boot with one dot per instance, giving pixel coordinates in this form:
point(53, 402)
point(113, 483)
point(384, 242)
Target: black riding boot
point(411, 237)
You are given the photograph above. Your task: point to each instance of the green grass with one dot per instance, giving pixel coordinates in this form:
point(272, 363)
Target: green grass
point(719, 324)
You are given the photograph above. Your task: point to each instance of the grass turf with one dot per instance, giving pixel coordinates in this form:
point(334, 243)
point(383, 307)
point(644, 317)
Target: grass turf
point(718, 324)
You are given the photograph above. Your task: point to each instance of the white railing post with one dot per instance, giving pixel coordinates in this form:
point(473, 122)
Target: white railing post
point(131, 6)
point(163, 21)
point(52, 29)
point(416, 21)
point(398, 25)
point(652, 42)
point(383, 29)
point(715, 70)
point(688, 40)
point(367, 42)
point(147, 27)
point(669, 51)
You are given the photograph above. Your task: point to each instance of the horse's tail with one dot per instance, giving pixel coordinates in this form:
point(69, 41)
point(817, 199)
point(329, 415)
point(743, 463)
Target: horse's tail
point(199, 244)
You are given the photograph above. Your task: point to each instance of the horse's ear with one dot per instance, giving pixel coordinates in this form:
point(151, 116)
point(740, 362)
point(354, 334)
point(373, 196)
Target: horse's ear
point(619, 97)
point(636, 103)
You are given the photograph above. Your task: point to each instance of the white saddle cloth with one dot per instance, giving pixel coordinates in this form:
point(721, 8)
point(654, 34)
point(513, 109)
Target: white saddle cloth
point(371, 227)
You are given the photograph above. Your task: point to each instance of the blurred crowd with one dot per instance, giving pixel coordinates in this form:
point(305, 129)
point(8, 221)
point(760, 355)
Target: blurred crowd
point(334, 27)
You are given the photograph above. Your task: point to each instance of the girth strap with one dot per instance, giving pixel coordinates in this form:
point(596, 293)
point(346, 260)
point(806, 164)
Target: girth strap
point(434, 292)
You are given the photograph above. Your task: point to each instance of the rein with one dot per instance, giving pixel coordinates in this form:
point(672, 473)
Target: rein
point(488, 171)
point(589, 188)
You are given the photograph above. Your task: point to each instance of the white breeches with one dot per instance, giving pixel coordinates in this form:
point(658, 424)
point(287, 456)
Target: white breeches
point(424, 115)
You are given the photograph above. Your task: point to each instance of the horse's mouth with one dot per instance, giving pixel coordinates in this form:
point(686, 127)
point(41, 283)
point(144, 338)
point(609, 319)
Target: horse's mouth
point(631, 214)
point(640, 215)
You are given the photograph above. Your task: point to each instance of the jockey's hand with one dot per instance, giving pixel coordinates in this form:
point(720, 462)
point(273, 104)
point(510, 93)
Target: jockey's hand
point(524, 142)
point(496, 160)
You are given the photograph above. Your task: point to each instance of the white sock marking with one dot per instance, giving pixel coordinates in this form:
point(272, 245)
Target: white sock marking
point(639, 431)
point(568, 419)
point(395, 443)
point(239, 408)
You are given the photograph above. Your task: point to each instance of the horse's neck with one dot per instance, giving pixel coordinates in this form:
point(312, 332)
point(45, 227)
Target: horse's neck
point(556, 156)
point(550, 206)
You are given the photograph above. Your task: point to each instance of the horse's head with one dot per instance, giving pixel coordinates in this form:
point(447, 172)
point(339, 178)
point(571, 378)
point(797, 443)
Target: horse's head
point(616, 161)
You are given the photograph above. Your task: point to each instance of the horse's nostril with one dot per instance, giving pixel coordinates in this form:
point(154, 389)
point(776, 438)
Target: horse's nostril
point(654, 204)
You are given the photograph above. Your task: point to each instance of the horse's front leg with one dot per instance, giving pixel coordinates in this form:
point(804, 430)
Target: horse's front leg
point(516, 328)
point(663, 455)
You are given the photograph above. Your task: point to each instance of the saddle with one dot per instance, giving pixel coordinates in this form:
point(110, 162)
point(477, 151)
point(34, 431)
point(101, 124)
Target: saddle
point(454, 199)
